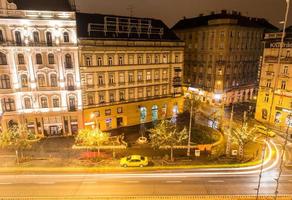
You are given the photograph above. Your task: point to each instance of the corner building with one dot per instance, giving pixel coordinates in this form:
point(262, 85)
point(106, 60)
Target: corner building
point(39, 68)
point(222, 54)
point(274, 103)
point(131, 70)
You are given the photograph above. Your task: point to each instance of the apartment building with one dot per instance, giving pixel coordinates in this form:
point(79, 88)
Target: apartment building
point(222, 54)
point(274, 103)
point(131, 70)
point(39, 68)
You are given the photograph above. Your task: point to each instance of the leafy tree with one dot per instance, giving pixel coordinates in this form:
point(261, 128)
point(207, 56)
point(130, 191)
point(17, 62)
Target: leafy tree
point(91, 138)
point(166, 134)
point(18, 138)
point(196, 104)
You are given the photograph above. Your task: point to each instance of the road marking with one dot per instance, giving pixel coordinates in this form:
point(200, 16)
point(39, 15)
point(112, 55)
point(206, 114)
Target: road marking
point(89, 182)
point(5, 183)
point(131, 181)
point(46, 183)
point(216, 181)
point(173, 181)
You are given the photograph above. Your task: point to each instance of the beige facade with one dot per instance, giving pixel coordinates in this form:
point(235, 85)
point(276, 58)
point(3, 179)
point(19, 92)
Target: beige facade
point(222, 54)
point(39, 70)
point(274, 103)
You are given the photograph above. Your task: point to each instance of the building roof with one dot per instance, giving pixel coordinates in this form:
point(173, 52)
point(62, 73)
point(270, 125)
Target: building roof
point(99, 26)
point(202, 20)
point(43, 5)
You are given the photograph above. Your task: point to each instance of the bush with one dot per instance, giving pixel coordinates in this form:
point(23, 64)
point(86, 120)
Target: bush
point(204, 135)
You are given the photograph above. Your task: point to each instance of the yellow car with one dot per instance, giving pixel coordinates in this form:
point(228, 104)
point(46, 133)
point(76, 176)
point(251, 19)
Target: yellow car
point(134, 161)
point(263, 130)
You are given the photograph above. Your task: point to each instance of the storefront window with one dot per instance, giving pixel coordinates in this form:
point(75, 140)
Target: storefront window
point(143, 114)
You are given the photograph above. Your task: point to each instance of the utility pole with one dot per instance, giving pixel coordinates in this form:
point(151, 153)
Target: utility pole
point(190, 126)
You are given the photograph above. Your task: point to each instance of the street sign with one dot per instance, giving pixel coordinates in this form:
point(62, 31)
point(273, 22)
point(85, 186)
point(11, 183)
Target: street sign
point(197, 153)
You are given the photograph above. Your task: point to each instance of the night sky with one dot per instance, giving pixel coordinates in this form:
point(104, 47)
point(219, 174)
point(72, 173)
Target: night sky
point(170, 11)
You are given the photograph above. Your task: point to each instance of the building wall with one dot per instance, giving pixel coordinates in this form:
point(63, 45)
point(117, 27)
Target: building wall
point(39, 72)
point(222, 57)
point(275, 83)
point(118, 80)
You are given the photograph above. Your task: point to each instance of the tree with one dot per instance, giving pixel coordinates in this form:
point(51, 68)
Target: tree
point(243, 136)
point(91, 138)
point(18, 138)
point(166, 134)
point(194, 103)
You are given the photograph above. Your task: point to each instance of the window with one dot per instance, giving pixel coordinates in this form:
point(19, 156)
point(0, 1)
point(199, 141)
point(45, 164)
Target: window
point(1, 36)
point(100, 80)
point(5, 82)
point(122, 95)
point(70, 80)
point(101, 97)
point(8, 104)
point(18, 40)
point(24, 81)
point(66, 37)
point(49, 38)
point(285, 71)
point(89, 80)
point(148, 60)
point(110, 61)
point(266, 99)
point(111, 79)
point(72, 104)
point(156, 60)
point(140, 76)
point(41, 80)
point(121, 78)
point(164, 90)
point(112, 97)
point(119, 110)
point(20, 58)
point(269, 82)
point(176, 60)
point(108, 112)
point(131, 94)
point(283, 85)
point(148, 91)
point(99, 61)
point(140, 60)
point(121, 60)
point(164, 58)
point(148, 76)
point(44, 102)
point(131, 59)
point(88, 61)
point(140, 92)
point(51, 59)
point(131, 77)
point(68, 61)
point(56, 102)
point(27, 103)
point(90, 99)
point(3, 60)
point(164, 74)
point(39, 59)
point(36, 37)
point(54, 82)
point(156, 91)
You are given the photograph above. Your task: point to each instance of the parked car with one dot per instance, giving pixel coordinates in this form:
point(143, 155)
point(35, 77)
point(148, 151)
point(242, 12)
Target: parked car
point(265, 131)
point(134, 161)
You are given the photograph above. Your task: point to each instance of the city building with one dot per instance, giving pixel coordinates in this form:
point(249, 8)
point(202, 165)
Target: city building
point(39, 67)
point(274, 102)
point(130, 69)
point(222, 54)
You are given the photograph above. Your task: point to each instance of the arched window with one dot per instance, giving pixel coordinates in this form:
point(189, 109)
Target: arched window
point(70, 81)
point(53, 79)
point(27, 103)
point(23, 78)
point(68, 61)
point(99, 61)
point(39, 59)
point(36, 37)
point(18, 40)
point(20, 58)
point(41, 80)
point(49, 38)
point(8, 104)
point(5, 82)
point(1, 36)
point(51, 59)
point(66, 37)
point(3, 59)
point(72, 103)
point(44, 102)
point(56, 101)
point(88, 61)
point(110, 61)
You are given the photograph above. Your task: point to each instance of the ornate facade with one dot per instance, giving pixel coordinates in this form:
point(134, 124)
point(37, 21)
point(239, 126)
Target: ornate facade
point(39, 68)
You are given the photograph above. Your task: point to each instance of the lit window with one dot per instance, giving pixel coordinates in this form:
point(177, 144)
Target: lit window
point(148, 76)
point(122, 95)
point(164, 74)
point(156, 60)
point(140, 76)
point(119, 110)
point(108, 112)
